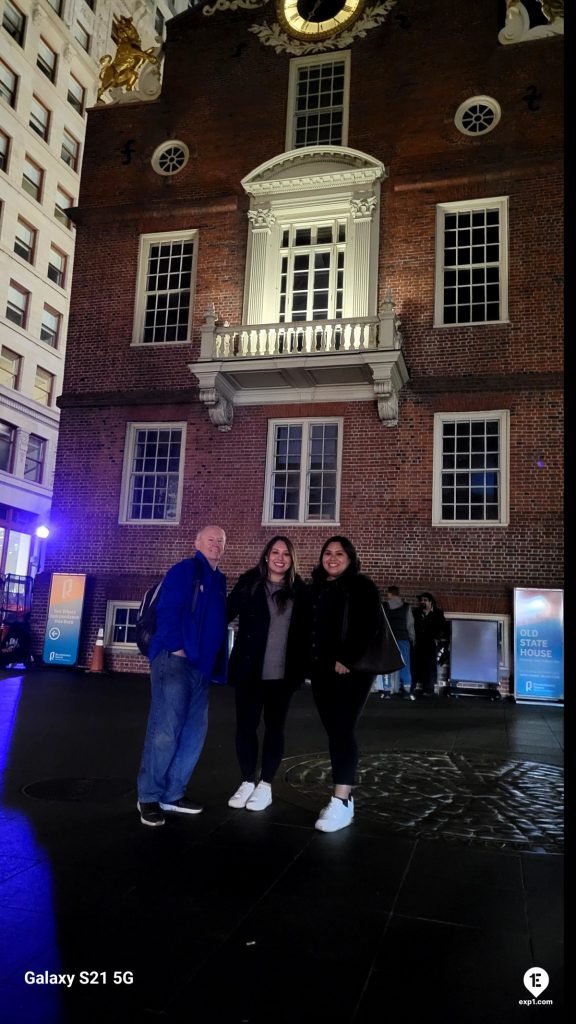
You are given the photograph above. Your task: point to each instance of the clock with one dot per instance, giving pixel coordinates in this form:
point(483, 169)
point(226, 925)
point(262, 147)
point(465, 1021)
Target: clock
point(317, 19)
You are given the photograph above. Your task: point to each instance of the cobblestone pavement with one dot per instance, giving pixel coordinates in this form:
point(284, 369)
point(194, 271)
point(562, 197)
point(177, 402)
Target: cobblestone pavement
point(496, 802)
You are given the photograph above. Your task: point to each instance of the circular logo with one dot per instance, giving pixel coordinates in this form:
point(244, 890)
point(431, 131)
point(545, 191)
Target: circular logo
point(536, 980)
point(54, 633)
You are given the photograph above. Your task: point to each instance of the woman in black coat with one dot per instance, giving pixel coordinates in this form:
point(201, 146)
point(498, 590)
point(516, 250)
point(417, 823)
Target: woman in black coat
point(343, 615)
point(265, 666)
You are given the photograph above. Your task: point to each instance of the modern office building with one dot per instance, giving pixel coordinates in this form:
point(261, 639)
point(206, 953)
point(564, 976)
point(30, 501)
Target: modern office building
point(49, 67)
point(318, 290)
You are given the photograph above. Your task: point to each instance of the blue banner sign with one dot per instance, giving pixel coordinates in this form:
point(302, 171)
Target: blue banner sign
point(62, 635)
point(538, 644)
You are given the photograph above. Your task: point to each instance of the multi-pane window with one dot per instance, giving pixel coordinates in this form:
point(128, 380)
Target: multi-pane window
point(17, 305)
point(4, 151)
point(470, 468)
point(50, 328)
point(70, 152)
point(46, 60)
point(35, 457)
point(167, 288)
point(39, 118)
point(8, 84)
point(57, 261)
point(121, 624)
point(62, 204)
point(14, 21)
point(312, 272)
point(43, 386)
point(7, 440)
point(303, 471)
point(153, 473)
point(319, 87)
point(9, 367)
point(76, 95)
point(32, 178)
point(471, 262)
point(25, 240)
point(82, 37)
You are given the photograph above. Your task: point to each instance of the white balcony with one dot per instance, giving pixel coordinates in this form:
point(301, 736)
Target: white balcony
point(354, 359)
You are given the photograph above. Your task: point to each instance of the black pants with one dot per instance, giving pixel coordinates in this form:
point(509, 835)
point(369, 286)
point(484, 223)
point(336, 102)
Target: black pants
point(271, 697)
point(340, 701)
point(424, 667)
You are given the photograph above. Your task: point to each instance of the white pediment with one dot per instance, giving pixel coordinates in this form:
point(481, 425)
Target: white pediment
point(313, 167)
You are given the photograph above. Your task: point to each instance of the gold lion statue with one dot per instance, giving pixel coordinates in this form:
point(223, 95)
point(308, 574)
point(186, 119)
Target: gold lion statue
point(122, 70)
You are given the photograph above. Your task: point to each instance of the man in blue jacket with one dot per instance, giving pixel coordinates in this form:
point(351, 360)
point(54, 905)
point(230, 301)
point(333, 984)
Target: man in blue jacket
point(187, 652)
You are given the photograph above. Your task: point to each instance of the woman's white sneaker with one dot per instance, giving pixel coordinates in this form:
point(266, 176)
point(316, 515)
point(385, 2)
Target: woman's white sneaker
point(242, 795)
point(261, 797)
point(335, 815)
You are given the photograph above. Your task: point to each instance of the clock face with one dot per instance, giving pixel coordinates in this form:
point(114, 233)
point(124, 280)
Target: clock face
point(317, 19)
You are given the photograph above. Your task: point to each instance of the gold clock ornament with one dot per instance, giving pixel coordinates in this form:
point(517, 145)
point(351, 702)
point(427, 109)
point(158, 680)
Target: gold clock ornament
point(314, 20)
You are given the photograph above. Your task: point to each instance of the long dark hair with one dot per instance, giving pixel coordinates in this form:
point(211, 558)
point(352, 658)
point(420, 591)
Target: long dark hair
point(286, 592)
point(319, 574)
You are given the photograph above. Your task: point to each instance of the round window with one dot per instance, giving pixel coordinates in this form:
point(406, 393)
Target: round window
point(477, 115)
point(170, 157)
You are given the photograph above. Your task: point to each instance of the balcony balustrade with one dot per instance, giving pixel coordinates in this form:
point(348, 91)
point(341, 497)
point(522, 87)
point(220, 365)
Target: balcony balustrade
point(346, 359)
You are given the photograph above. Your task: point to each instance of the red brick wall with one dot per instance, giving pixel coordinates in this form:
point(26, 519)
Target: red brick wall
point(225, 95)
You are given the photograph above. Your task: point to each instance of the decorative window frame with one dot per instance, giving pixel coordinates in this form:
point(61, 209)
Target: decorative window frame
point(296, 64)
point(313, 184)
point(503, 416)
point(478, 101)
point(111, 608)
point(130, 440)
point(146, 241)
point(267, 519)
point(442, 209)
point(164, 160)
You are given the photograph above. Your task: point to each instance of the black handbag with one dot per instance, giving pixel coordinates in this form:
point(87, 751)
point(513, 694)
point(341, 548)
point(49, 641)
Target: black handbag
point(382, 656)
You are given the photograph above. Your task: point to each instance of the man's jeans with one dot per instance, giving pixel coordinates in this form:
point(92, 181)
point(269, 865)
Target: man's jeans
point(403, 677)
point(177, 725)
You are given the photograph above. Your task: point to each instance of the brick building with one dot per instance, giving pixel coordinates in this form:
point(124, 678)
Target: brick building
point(318, 289)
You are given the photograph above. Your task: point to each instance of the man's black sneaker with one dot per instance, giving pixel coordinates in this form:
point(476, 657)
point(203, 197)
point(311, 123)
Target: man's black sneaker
point(151, 814)
point(182, 806)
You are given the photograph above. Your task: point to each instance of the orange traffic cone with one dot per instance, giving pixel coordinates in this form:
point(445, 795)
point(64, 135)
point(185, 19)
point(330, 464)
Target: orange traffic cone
point(97, 660)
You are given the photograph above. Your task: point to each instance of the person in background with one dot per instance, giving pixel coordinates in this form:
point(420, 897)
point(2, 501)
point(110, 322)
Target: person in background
point(342, 616)
point(187, 652)
point(264, 666)
point(431, 629)
point(401, 622)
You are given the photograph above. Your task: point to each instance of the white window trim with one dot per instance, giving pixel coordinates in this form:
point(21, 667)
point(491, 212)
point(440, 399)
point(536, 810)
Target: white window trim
point(503, 415)
point(325, 183)
point(131, 429)
point(471, 204)
point(109, 642)
point(146, 241)
point(295, 65)
point(267, 519)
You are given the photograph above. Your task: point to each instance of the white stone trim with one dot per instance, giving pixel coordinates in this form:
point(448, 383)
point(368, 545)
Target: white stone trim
point(131, 429)
point(267, 519)
point(146, 241)
point(503, 416)
point(471, 204)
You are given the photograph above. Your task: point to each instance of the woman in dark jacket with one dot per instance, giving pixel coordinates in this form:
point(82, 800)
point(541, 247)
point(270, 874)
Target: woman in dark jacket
point(343, 609)
point(264, 666)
